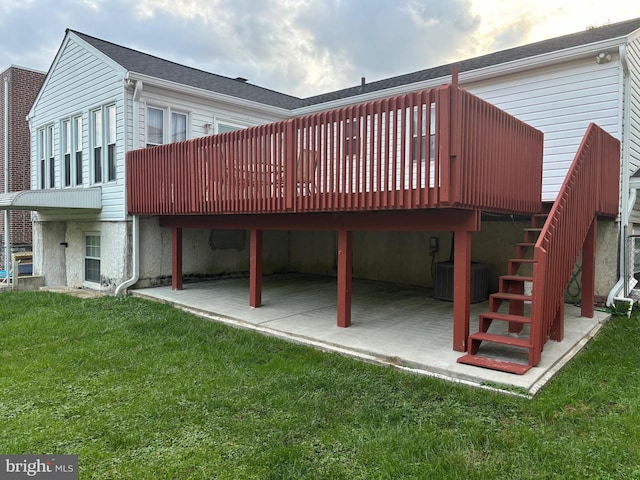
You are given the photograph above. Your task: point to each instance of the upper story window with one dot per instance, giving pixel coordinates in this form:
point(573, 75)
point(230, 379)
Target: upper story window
point(96, 144)
point(420, 125)
point(52, 158)
point(66, 152)
point(227, 127)
point(71, 132)
point(161, 131)
point(76, 129)
point(46, 157)
point(103, 143)
point(351, 137)
point(42, 157)
point(110, 131)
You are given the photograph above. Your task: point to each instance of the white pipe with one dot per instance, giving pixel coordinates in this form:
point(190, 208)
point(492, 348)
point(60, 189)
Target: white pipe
point(135, 221)
point(7, 227)
point(628, 197)
point(135, 259)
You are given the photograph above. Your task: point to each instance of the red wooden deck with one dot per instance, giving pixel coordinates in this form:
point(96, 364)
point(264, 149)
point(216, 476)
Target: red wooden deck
point(431, 160)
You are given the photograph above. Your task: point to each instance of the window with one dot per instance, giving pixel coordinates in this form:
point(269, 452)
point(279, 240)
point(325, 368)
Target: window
point(155, 124)
point(351, 137)
point(159, 133)
point(225, 127)
point(110, 113)
point(96, 144)
point(51, 155)
point(420, 140)
point(77, 142)
point(92, 258)
point(66, 151)
point(178, 127)
point(103, 143)
point(42, 145)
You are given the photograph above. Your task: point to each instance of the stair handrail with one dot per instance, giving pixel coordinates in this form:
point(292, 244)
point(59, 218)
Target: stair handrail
point(590, 188)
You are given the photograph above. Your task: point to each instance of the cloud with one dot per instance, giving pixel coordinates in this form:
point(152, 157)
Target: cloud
point(301, 47)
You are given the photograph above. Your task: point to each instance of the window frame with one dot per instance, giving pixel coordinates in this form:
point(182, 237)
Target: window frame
point(66, 140)
point(42, 157)
point(51, 155)
point(89, 260)
point(97, 139)
point(76, 135)
point(167, 134)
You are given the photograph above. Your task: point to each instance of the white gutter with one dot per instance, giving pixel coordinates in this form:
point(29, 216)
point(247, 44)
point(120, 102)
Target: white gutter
point(464, 78)
point(135, 259)
point(209, 95)
point(135, 221)
point(7, 232)
point(628, 197)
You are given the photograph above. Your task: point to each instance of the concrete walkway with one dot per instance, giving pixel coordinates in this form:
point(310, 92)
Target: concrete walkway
point(391, 324)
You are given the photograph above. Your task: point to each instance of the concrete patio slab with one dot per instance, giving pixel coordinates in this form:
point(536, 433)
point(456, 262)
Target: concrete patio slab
point(392, 324)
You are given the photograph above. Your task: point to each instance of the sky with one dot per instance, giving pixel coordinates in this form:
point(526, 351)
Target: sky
point(299, 47)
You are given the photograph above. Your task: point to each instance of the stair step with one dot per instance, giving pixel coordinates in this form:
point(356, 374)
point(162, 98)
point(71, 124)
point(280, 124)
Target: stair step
point(501, 339)
point(533, 229)
point(506, 317)
point(522, 260)
point(517, 278)
point(526, 244)
point(493, 364)
point(511, 296)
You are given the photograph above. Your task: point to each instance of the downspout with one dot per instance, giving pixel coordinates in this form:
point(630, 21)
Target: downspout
point(135, 220)
point(628, 196)
point(7, 228)
point(135, 259)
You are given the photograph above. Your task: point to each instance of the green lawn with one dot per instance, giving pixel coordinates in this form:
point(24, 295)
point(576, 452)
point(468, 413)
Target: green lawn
point(140, 390)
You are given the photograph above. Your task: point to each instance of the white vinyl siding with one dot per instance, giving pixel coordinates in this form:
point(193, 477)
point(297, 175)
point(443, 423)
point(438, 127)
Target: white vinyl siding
point(80, 82)
point(561, 101)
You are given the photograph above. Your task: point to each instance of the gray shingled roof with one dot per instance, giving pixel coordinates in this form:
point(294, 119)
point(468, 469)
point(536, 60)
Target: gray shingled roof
point(146, 64)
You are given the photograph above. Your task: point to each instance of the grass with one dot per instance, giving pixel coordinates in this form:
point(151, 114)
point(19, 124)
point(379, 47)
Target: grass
point(139, 390)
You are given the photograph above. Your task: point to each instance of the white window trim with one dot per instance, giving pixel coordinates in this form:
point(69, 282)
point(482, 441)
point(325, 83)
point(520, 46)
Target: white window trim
point(229, 123)
point(74, 146)
point(104, 146)
point(85, 257)
point(167, 133)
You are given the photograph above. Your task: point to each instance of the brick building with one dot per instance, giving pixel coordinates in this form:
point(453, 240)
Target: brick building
point(19, 87)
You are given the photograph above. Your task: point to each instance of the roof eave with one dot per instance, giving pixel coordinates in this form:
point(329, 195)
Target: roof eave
point(470, 76)
point(229, 100)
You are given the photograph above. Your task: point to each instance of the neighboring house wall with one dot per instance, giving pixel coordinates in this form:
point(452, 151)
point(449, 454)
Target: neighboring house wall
point(18, 89)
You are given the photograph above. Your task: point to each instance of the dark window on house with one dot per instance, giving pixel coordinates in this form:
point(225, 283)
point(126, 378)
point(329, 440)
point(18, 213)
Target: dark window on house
point(66, 151)
point(51, 155)
point(96, 143)
point(42, 145)
point(77, 134)
point(110, 113)
point(92, 258)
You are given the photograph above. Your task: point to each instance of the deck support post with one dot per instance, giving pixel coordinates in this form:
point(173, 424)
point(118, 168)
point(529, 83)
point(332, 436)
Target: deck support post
point(255, 269)
point(344, 277)
point(589, 270)
point(176, 258)
point(461, 289)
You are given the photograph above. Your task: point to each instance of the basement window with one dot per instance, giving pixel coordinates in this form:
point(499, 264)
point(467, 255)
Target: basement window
point(92, 258)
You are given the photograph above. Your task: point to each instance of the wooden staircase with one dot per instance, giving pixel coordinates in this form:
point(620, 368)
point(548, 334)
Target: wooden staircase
point(499, 349)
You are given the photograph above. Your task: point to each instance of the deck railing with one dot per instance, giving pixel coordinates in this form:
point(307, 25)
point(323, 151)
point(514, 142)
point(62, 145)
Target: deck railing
point(440, 147)
point(590, 188)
